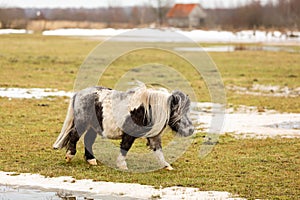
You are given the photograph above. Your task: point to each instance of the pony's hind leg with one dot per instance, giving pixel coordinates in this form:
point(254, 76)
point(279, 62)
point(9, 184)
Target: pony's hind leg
point(89, 140)
point(71, 148)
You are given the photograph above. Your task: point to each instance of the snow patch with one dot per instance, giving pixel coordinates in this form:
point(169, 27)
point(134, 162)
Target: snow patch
point(15, 31)
point(67, 183)
point(161, 35)
point(30, 93)
point(149, 35)
point(245, 121)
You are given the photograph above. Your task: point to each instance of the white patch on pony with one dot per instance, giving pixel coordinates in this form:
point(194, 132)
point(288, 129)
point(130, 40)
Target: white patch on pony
point(160, 156)
point(138, 97)
point(110, 128)
point(121, 162)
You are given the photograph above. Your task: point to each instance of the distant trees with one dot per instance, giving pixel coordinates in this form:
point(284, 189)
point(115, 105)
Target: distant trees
point(284, 14)
point(289, 12)
point(161, 8)
point(12, 18)
point(136, 15)
point(141, 15)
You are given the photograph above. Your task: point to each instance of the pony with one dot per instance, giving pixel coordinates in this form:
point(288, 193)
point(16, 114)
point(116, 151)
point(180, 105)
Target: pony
point(140, 112)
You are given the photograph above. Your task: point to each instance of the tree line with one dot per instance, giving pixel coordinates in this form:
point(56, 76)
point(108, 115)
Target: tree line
point(283, 14)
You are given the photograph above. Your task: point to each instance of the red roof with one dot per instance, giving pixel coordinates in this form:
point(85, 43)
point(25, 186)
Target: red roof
point(181, 10)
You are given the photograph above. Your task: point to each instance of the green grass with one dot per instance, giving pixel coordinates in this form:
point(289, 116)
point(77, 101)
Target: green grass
point(37, 61)
point(244, 68)
point(53, 62)
point(252, 168)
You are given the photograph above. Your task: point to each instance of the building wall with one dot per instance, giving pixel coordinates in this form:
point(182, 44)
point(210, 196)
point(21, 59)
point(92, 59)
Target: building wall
point(179, 22)
point(197, 17)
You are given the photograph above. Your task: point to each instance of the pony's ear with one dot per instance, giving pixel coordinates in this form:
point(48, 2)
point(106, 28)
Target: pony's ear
point(176, 98)
point(174, 102)
point(180, 101)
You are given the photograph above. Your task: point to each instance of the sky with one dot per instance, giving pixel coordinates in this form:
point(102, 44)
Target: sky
point(105, 3)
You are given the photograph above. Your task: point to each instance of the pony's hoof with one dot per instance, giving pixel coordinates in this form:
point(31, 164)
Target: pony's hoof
point(123, 168)
point(169, 168)
point(69, 157)
point(121, 163)
point(92, 162)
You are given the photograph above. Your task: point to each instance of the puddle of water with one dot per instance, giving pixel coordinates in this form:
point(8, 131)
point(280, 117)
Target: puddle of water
point(232, 48)
point(10, 192)
point(265, 48)
point(7, 192)
point(207, 49)
point(266, 90)
point(295, 125)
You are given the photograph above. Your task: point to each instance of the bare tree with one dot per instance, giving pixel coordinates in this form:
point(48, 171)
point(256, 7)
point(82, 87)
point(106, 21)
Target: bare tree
point(140, 15)
point(161, 7)
point(135, 17)
point(9, 16)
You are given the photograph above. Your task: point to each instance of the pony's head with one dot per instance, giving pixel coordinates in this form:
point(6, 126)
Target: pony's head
point(179, 109)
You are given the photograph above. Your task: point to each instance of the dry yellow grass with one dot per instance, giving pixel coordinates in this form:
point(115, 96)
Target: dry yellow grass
point(40, 25)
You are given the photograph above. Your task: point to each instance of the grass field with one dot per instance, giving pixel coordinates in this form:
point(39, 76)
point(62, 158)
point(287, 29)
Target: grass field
point(251, 168)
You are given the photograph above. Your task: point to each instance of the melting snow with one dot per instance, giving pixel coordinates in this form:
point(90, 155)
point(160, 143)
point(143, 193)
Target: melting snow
point(15, 31)
point(29, 93)
point(247, 121)
point(108, 188)
point(160, 35)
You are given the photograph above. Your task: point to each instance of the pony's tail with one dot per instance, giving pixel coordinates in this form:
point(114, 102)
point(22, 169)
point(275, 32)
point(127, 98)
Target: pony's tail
point(64, 136)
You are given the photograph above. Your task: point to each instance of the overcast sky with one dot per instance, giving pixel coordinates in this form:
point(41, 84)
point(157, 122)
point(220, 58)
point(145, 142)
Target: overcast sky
point(105, 3)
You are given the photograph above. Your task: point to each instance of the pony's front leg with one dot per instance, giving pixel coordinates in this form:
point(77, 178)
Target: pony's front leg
point(155, 144)
point(126, 143)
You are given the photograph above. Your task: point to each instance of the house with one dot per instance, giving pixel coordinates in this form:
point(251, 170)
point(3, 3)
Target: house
point(186, 15)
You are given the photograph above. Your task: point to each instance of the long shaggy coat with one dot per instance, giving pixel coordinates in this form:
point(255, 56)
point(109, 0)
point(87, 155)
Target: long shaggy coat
point(139, 112)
